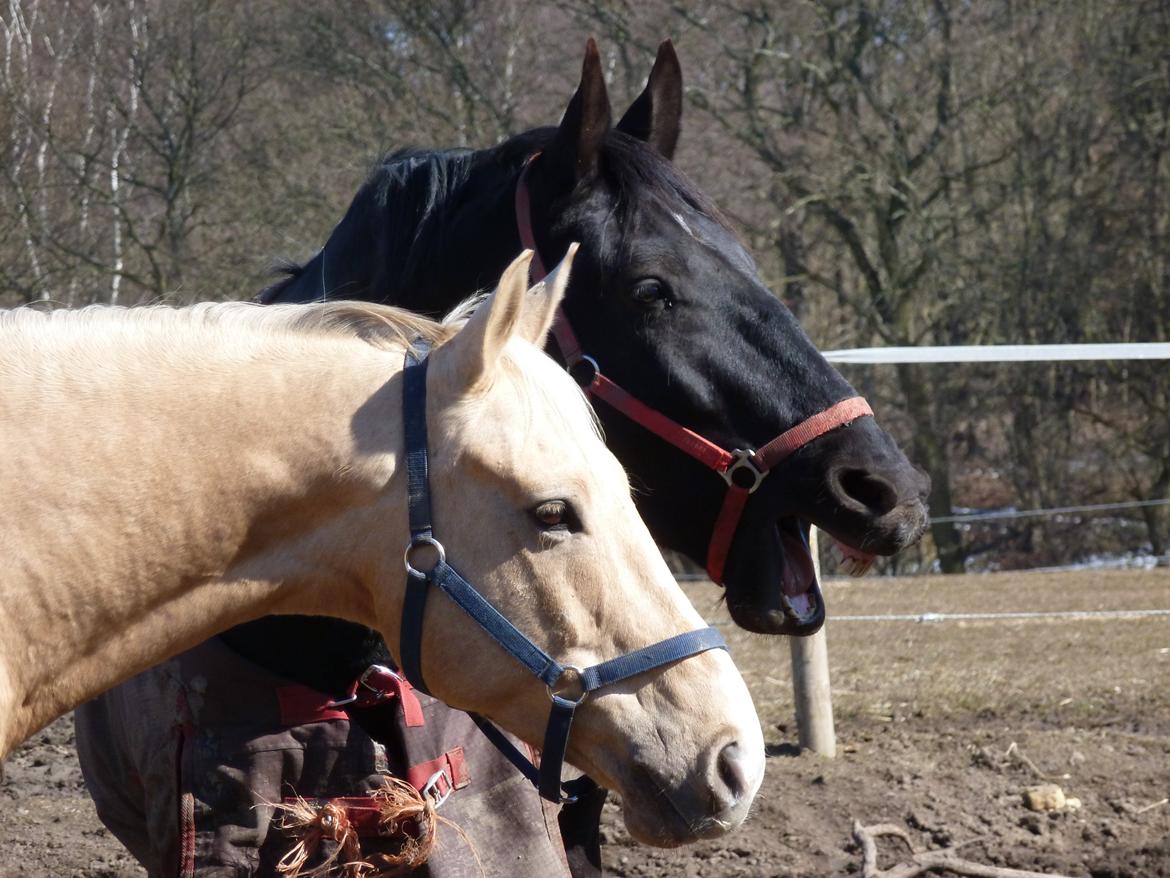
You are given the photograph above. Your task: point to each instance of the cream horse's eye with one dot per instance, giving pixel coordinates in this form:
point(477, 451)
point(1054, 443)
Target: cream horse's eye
point(552, 514)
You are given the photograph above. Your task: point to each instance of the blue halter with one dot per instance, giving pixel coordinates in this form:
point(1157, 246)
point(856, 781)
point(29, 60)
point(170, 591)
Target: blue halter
point(546, 778)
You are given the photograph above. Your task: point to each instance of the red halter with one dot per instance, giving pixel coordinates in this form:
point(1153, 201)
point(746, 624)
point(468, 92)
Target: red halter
point(743, 470)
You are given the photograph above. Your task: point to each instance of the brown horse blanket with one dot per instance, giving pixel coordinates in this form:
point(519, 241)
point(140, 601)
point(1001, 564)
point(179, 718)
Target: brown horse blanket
point(185, 761)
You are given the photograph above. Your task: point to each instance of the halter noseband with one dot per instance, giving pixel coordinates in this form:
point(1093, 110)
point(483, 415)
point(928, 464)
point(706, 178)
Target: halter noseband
point(743, 469)
point(546, 778)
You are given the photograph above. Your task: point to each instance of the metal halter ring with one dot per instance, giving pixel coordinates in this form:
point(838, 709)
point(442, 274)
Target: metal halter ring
point(580, 674)
point(586, 367)
point(414, 544)
point(742, 462)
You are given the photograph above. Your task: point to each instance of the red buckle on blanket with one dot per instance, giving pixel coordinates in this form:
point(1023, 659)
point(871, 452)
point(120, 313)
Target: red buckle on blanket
point(377, 684)
point(444, 774)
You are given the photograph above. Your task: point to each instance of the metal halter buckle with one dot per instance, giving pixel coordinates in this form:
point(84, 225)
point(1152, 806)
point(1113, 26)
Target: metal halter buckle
point(584, 368)
point(415, 544)
point(579, 674)
point(741, 461)
point(431, 788)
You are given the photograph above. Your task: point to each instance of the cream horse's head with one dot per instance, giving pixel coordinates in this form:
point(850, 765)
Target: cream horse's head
point(536, 513)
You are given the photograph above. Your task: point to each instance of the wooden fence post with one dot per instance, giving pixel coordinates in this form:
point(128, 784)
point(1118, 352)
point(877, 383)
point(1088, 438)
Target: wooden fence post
point(810, 683)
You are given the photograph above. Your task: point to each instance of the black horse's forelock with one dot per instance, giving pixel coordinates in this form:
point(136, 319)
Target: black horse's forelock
point(637, 171)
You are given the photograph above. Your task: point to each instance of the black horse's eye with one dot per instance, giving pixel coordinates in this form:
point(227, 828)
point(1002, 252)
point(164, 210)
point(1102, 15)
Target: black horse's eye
point(651, 291)
point(553, 515)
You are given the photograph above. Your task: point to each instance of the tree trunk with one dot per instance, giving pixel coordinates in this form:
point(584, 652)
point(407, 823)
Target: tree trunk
point(930, 452)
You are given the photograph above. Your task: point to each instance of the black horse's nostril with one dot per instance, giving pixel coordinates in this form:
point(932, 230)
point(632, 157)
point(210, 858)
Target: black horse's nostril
point(871, 491)
point(733, 773)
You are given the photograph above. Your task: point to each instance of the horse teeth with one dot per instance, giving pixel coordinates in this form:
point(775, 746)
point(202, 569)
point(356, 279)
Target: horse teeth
point(847, 563)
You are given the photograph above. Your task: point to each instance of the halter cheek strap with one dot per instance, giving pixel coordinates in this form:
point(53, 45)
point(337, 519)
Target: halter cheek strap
point(540, 664)
point(743, 469)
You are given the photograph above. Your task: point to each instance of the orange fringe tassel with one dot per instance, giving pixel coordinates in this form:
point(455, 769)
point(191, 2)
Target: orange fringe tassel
point(404, 814)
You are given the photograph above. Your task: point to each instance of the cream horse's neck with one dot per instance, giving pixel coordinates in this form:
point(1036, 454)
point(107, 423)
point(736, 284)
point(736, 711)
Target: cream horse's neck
point(235, 461)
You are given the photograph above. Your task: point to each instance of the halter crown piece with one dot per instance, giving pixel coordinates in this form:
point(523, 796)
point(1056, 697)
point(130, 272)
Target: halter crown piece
point(546, 778)
point(743, 469)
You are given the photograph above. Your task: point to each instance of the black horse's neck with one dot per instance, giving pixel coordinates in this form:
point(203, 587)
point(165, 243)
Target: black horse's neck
point(427, 230)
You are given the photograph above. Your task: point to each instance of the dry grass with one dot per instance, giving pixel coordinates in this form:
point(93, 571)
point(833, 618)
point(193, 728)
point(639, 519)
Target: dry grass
point(1065, 670)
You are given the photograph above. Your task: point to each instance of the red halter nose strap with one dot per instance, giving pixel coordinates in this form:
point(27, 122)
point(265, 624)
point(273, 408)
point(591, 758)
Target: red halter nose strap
point(743, 470)
point(757, 464)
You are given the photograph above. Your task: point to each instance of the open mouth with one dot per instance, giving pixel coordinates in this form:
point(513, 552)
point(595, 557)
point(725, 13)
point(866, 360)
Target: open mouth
point(800, 593)
point(798, 606)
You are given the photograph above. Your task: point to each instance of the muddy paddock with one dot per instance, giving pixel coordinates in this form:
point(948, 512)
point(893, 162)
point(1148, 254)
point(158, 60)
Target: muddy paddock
point(942, 727)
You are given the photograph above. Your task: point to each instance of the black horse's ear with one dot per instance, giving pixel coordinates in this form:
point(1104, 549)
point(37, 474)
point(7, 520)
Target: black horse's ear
point(586, 122)
point(655, 116)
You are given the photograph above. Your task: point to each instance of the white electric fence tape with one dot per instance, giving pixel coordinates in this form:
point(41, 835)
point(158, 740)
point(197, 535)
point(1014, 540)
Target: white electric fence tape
point(1004, 353)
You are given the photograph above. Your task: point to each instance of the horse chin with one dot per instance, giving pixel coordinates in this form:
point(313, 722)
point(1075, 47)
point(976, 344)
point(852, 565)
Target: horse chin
point(773, 587)
point(653, 817)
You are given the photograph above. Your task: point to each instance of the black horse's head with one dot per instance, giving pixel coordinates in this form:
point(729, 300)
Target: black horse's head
point(670, 304)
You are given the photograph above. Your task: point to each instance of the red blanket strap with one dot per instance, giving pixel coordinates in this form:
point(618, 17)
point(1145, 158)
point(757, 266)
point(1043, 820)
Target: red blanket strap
point(365, 812)
point(378, 684)
point(452, 766)
point(300, 705)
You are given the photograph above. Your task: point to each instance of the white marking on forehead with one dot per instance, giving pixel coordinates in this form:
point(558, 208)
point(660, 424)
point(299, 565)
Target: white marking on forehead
point(682, 222)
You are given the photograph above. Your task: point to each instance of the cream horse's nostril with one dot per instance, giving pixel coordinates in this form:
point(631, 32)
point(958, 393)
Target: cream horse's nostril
point(734, 777)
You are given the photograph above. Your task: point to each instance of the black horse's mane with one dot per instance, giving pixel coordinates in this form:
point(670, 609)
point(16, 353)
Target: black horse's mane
point(415, 190)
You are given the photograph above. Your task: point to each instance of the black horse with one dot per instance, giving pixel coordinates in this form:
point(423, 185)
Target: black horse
point(665, 297)
point(668, 301)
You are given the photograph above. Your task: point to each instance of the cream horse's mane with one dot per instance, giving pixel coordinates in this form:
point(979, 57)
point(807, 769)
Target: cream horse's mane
point(383, 326)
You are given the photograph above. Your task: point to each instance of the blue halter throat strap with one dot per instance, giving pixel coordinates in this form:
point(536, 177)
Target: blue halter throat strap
point(546, 778)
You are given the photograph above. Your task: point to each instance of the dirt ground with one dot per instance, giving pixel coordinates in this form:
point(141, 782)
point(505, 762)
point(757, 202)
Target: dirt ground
point(941, 726)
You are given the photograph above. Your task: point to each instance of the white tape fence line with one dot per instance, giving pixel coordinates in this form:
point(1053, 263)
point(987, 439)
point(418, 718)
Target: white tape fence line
point(964, 617)
point(1003, 353)
point(1003, 514)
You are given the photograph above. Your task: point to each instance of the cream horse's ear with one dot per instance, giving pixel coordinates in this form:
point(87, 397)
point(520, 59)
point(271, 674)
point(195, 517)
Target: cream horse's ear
point(476, 349)
point(512, 310)
point(544, 298)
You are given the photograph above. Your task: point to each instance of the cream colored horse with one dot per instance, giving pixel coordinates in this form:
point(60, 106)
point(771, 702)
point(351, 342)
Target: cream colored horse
point(167, 474)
